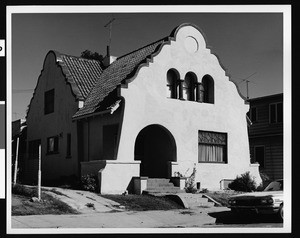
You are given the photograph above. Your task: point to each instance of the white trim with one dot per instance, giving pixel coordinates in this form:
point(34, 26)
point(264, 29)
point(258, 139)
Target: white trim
point(151, 8)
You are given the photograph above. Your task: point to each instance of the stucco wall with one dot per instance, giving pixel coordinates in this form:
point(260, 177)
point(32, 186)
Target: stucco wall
point(146, 103)
point(41, 126)
point(114, 177)
point(93, 141)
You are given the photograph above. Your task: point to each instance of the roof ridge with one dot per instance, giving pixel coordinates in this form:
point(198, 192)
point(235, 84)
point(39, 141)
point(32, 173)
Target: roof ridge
point(162, 39)
point(73, 56)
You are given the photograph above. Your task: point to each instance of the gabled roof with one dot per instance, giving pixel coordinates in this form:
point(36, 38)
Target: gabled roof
point(92, 84)
point(81, 73)
point(120, 70)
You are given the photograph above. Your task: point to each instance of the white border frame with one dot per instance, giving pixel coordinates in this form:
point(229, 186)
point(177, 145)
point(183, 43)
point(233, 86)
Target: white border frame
point(285, 9)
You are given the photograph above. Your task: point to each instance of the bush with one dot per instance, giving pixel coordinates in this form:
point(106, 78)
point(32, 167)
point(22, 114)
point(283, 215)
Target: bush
point(243, 183)
point(20, 189)
point(90, 182)
point(190, 183)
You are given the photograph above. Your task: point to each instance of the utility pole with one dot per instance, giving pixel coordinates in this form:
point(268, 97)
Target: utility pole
point(39, 173)
point(16, 162)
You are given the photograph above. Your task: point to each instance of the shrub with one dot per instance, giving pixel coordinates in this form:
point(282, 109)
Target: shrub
point(90, 182)
point(243, 183)
point(20, 189)
point(190, 183)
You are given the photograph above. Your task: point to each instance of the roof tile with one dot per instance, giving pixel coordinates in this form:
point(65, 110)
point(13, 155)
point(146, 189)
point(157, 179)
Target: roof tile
point(121, 69)
point(81, 73)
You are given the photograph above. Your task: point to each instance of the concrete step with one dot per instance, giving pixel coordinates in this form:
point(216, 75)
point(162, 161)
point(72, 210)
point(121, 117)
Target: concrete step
point(157, 182)
point(157, 186)
point(190, 200)
point(169, 185)
point(162, 192)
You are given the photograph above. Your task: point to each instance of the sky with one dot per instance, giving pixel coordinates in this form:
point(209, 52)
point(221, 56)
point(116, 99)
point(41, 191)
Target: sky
point(247, 44)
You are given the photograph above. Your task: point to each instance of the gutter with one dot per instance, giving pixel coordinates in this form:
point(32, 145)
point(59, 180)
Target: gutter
point(91, 115)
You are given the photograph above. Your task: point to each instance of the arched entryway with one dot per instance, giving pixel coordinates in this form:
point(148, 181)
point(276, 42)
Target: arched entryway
point(155, 147)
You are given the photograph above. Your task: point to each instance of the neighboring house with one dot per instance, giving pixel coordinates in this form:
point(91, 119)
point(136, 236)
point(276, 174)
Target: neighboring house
point(19, 135)
point(160, 110)
point(266, 134)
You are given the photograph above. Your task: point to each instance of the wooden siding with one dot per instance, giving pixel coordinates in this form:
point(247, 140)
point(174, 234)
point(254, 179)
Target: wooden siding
point(263, 133)
point(273, 164)
point(262, 126)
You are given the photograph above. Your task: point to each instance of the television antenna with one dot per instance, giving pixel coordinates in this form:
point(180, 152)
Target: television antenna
point(247, 82)
point(109, 25)
point(110, 29)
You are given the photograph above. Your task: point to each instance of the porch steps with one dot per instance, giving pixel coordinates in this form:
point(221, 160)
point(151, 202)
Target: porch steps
point(161, 186)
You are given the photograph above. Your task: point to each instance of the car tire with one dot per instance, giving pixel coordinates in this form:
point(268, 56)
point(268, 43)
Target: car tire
point(280, 212)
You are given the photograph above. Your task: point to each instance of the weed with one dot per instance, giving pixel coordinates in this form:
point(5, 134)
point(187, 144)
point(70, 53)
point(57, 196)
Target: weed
point(190, 182)
point(90, 205)
point(90, 182)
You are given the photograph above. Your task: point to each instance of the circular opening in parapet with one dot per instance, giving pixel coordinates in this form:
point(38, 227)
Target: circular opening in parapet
point(191, 44)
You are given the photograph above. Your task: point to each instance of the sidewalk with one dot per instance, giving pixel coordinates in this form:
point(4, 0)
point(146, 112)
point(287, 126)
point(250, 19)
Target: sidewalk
point(122, 219)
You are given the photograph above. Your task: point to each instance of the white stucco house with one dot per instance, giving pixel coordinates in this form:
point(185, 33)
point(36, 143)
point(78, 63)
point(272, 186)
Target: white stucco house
point(158, 111)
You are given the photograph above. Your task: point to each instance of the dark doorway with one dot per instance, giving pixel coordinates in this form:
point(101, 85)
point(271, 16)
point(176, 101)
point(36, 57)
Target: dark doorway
point(155, 147)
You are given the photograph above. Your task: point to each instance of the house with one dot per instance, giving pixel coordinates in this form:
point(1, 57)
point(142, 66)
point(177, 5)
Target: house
point(19, 135)
point(162, 110)
point(266, 134)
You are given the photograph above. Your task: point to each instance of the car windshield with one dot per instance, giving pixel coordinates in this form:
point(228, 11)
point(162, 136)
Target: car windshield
point(275, 186)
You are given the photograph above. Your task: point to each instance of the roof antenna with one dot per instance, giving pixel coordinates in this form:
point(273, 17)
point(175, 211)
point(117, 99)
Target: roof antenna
point(247, 82)
point(110, 32)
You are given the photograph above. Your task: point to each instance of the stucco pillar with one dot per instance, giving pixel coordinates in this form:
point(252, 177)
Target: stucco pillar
point(199, 92)
point(180, 82)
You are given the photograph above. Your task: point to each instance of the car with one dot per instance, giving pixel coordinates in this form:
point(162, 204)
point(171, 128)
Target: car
point(268, 201)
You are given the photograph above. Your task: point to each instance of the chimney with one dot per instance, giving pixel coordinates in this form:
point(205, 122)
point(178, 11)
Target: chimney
point(108, 59)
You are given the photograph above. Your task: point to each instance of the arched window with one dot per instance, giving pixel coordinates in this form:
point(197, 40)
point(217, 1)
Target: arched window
point(172, 83)
point(189, 86)
point(208, 86)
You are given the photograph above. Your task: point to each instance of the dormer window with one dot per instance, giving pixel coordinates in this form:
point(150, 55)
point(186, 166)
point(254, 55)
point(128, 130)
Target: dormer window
point(172, 83)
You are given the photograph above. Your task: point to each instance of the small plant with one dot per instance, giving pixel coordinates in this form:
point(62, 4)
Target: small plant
point(204, 190)
point(90, 182)
point(178, 174)
point(243, 183)
point(90, 205)
point(190, 182)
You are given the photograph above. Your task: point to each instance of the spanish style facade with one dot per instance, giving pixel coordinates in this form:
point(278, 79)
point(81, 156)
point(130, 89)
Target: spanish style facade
point(266, 134)
point(161, 110)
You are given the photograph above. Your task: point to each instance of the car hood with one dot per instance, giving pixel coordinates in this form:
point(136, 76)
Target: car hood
point(258, 194)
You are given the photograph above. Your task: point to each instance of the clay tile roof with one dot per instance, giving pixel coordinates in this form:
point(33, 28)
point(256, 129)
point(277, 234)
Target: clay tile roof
point(123, 68)
point(81, 73)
